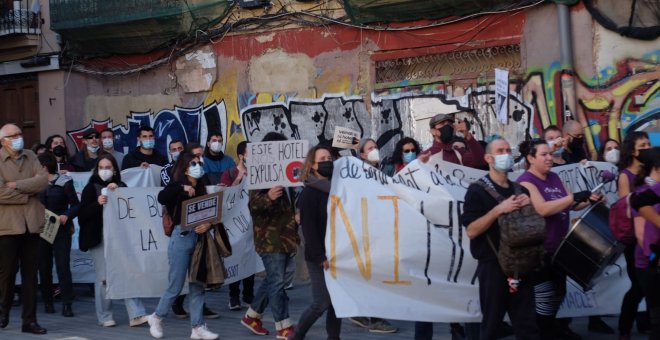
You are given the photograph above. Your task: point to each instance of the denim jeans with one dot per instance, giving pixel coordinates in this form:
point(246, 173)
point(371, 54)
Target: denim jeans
point(134, 306)
point(271, 290)
point(179, 254)
point(320, 303)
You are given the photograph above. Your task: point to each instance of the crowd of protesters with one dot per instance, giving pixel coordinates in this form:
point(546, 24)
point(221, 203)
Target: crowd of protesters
point(30, 183)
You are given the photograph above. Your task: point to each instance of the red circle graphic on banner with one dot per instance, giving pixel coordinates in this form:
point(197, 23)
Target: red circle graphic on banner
point(293, 171)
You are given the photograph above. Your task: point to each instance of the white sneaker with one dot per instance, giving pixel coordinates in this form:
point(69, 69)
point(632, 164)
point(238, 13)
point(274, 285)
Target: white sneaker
point(140, 320)
point(109, 323)
point(202, 333)
point(155, 326)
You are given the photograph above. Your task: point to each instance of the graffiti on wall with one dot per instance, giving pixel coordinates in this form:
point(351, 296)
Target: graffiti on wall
point(620, 99)
point(185, 124)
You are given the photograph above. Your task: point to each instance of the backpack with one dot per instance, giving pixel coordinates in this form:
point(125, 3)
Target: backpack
point(621, 221)
point(522, 233)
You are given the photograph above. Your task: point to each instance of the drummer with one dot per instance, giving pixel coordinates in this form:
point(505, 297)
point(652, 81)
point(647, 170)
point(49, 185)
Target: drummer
point(552, 200)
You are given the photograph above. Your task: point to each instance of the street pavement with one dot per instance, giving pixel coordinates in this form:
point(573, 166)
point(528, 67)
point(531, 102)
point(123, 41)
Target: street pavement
point(84, 325)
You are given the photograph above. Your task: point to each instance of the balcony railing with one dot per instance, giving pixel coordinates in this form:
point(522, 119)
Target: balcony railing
point(19, 19)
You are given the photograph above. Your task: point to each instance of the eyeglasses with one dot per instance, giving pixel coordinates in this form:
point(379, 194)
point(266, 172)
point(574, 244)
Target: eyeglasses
point(409, 151)
point(14, 136)
point(194, 163)
point(92, 137)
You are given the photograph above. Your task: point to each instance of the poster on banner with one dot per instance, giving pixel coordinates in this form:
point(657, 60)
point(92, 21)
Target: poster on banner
point(201, 209)
point(275, 163)
point(420, 262)
point(502, 95)
point(345, 138)
point(135, 247)
point(51, 226)
point(237, 220)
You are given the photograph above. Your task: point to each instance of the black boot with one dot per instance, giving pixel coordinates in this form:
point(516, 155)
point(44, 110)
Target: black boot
point(49, 308)
point(66, 310)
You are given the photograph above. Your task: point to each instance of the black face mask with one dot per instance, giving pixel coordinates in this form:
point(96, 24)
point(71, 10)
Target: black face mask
point(577, 143)
point(644, 156)
point(446, 134)
point(325, 168)
point(59, 151)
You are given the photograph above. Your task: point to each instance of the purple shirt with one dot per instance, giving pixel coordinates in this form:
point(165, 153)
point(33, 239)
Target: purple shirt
point(552, 188)
point(631, 178)
point(651, 232)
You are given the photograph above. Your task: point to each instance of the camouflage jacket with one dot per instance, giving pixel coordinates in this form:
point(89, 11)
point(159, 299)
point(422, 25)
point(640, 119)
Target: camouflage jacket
point(275, 229)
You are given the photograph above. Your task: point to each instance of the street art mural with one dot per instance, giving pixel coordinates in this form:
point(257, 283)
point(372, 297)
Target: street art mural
point(619, 99)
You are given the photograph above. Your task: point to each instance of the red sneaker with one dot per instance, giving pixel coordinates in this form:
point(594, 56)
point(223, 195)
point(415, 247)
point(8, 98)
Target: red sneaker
point(285, 333)
point(254, 325)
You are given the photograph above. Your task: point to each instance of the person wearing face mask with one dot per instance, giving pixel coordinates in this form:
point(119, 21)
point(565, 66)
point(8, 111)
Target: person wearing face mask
point(215, 161)
point(56, 145)
point(105, 176)
point(630, 177)
point(369, 152)
point(22, 179)
point(575, 145)
point(442, 130)
point(480, 215)
point(108, 145)
point(229, 178)
point(316, 174)
point(405, 151)
point(188, 181)
point(175, 147)
point(145, 153)
point(553, 136)
point(610, 151)
point(85, 159)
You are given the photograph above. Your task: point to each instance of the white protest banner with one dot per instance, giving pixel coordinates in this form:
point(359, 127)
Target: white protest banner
point(345, 138)
point(275, 163)
point(502, 95)
point(135, 245)
point(51, 226)
point(385, 253)
point(237, 220)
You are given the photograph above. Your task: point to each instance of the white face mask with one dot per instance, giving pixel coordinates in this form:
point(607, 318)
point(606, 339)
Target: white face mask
point(195, 171)
point(105, 174)
point(108, 143)
point(503, 163)
point(373, 156)
point(216, 147)
point(92, 149)
point(612, 156)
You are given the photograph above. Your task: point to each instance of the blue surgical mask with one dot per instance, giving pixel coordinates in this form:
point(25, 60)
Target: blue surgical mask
point(503, 163)
point(558, 152)
point(17, 144)
point(175, 155)
point(148, 144)
point(196, 171)
point(409, 157)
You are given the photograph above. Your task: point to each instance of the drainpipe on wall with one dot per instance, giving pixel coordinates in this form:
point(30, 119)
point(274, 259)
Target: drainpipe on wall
point(570, 110)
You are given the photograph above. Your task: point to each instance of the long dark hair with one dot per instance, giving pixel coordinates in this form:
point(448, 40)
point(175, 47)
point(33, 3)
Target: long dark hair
point(397, 156)
point(180, 167)
point(116, 176)
point(628, 148)
point(49, 142)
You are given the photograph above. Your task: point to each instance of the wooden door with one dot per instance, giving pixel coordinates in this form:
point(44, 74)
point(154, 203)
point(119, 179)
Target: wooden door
point(19, 104)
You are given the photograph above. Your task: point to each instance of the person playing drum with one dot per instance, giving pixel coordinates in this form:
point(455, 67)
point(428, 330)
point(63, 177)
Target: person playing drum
point(553, 201)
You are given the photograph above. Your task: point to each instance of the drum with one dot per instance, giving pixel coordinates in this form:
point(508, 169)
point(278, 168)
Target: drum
point(588, 247)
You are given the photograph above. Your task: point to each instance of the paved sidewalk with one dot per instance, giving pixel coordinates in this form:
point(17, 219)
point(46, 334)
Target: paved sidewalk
point(83, 325)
